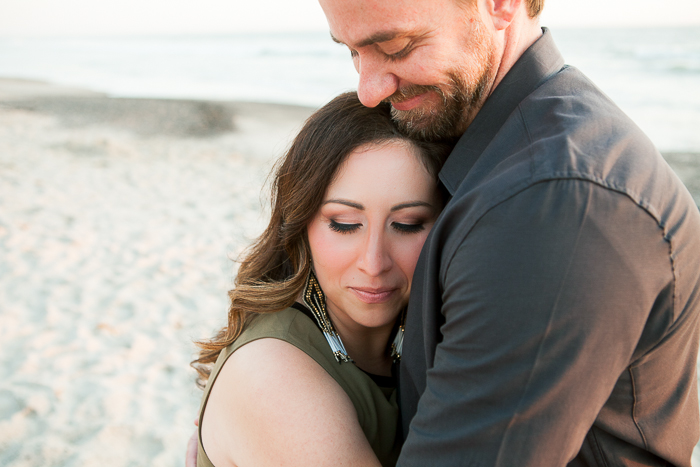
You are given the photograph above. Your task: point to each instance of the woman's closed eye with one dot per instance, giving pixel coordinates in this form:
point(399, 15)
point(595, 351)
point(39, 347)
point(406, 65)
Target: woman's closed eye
point(343, 228)
point(400, 227)
point(408, 228)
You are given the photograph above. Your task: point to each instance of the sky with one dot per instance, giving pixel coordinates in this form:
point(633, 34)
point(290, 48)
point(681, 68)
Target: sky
point(126, 17)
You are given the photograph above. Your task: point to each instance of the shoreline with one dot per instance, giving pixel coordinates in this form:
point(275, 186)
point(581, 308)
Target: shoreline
point(263, 130)
point(258, 129)
point(77, 106)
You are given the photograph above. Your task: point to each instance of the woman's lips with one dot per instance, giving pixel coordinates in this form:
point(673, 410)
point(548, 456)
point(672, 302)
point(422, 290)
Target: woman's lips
point(372, 296)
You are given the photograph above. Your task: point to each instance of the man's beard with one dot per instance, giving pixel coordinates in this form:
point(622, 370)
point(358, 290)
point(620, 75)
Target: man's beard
point(461, 97)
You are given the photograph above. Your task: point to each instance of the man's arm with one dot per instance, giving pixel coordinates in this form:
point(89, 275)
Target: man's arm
point(544, 302)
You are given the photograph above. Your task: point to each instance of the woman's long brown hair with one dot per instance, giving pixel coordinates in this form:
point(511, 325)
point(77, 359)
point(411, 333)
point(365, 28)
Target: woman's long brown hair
point(274, 268)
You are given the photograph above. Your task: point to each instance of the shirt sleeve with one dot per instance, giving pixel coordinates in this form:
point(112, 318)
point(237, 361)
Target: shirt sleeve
point(545, 300)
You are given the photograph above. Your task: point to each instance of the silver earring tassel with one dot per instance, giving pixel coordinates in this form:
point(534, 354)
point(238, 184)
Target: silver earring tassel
point(397, 345)
point(316, 302)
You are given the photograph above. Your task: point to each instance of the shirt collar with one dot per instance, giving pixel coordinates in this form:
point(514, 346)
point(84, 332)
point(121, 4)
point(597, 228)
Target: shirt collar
point(535, 66)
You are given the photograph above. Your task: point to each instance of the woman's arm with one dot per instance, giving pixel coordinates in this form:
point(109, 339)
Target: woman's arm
point(274, 405)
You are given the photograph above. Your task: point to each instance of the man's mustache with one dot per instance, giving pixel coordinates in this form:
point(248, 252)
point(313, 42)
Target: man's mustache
point(410, 91)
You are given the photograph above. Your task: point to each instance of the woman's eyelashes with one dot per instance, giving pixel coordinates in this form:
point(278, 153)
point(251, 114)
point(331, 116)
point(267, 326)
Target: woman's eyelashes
point(343, 228)
point(400, 227)
point(408, 228)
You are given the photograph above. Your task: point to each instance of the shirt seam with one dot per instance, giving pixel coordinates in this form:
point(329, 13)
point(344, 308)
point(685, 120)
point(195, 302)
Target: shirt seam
point(598, 449)
point(574, 176)
point(634, 409)
point(606, 185)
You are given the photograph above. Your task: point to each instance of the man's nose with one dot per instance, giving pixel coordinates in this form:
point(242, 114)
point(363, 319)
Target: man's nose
point(376, 81)
point(375, 258)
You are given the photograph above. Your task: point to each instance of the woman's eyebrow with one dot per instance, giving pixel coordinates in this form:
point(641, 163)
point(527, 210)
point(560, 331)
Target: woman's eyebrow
point(412, 204)
point(345, 202)
point(398, 207)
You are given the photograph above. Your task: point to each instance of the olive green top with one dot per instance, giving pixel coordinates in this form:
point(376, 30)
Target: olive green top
point(376, 407)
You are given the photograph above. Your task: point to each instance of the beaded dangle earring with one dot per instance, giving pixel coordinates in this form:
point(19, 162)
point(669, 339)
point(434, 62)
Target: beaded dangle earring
point(315, 300)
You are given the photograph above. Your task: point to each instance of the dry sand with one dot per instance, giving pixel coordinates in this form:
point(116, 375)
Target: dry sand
point(117, 221)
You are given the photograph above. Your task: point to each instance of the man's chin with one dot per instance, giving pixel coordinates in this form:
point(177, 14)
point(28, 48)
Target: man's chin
point(427, 127)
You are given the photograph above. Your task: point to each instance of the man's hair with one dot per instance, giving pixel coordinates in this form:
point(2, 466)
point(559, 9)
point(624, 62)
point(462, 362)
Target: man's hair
point(534, 7)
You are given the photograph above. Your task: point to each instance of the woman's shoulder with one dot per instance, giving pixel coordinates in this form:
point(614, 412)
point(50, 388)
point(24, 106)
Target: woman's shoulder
point(289, 325)
point(285, 351)
point(280, 323)
point(271, 342)
point(275, 391)
point(298, 328)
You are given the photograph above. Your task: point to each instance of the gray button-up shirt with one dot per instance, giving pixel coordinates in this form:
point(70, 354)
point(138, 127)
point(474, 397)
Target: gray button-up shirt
point(554, 316)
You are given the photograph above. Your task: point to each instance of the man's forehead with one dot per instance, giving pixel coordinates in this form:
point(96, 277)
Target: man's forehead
point(363, 22)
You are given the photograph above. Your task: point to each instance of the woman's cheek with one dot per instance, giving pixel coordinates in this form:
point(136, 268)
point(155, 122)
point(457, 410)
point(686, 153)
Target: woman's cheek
point(328, 248)
point(411, 253)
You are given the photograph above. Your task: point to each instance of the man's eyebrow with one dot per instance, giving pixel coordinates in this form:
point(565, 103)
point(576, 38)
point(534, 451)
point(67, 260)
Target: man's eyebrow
point(335, 39)
point(345, 202)
point(382, 36)
point(412, 204)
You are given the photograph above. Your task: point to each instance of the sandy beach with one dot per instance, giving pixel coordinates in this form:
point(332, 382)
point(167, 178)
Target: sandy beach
point(119, 219)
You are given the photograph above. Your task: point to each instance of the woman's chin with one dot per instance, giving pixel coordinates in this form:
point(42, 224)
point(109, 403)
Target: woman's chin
point(378, 315)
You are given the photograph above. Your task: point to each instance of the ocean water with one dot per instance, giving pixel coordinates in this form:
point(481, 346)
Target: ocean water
point(653, 74)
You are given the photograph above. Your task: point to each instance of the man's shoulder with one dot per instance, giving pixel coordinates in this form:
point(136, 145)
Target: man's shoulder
point(563, 101)
point(570, 114)
point(568, 129)
point(575, 131)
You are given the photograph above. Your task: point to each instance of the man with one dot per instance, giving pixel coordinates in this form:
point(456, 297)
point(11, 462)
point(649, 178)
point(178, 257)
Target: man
point(554, 313)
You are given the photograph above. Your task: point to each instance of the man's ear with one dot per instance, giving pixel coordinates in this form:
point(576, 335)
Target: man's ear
point(503, 12)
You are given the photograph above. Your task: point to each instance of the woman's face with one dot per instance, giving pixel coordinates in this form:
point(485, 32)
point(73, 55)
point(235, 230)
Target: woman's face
point(366, 237)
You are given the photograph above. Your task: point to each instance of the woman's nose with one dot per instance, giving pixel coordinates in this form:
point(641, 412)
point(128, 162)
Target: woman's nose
point(375, 258)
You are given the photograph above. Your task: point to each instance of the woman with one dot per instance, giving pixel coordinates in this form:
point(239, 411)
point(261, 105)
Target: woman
point(303, 368)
